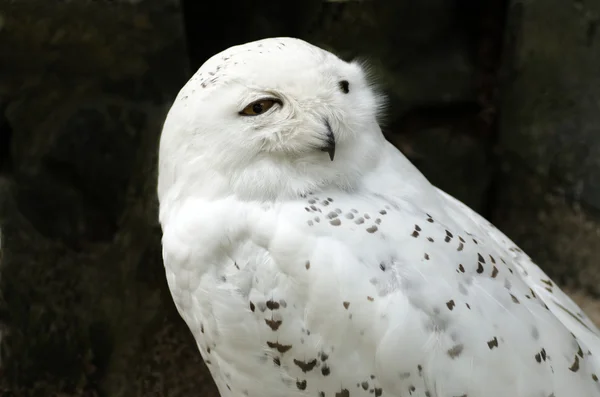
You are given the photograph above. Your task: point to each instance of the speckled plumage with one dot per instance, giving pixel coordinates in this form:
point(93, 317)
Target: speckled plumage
point(299, 275)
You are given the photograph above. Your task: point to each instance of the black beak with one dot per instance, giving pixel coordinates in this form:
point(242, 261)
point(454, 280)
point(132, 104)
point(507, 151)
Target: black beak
point(329, 145)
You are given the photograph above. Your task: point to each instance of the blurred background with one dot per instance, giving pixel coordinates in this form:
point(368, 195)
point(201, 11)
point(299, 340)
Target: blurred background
point(496, 101)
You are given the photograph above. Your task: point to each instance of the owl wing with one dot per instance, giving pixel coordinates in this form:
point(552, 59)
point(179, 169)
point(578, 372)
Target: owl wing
point(418, 301)
point(563, 307)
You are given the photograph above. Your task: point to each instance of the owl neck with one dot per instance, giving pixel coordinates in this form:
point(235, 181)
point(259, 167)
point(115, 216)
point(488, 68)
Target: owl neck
point(271, 179)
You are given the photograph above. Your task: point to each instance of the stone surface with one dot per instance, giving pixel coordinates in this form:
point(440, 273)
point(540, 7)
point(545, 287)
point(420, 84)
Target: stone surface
point(85, 307)
point(548, 190)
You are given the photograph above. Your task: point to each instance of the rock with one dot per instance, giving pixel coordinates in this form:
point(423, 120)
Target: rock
point(85, 307)
point(548, 195)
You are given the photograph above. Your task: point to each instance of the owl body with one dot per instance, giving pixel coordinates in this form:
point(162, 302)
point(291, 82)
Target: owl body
point(348, 275)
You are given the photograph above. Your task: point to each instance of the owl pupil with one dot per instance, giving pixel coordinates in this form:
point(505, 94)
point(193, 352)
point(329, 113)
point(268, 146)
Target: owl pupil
point(257, 108)
point(345, 86)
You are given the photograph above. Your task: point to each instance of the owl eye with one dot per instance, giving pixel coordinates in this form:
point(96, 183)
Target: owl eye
point(344, 86)
point(259, 107)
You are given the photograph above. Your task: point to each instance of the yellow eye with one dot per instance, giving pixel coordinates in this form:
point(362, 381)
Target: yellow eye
point(258, 107)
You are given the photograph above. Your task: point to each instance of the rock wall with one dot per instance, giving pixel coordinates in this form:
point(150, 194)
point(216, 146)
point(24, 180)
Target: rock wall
point(85, 86)
point(547, 196)
point(86, 310)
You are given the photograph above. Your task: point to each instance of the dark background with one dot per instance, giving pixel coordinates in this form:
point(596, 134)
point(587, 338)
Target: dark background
point(496, 101)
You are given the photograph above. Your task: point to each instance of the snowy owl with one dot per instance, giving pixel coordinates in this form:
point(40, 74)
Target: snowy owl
point(309, 257)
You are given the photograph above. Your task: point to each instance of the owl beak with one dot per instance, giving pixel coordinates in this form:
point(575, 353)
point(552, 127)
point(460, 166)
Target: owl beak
point(329, 145)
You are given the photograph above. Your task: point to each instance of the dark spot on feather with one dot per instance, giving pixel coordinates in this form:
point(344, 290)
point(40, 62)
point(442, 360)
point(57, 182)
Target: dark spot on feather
point(306, 366)
point(494, 272)
point(575, 366)
point(346, 304)
point(493, 343)
point(455, 351)
point(272, 305)
point(273, 324)
point(280, 348)
point(450, 304)
point(252, 307)
point(301, 385)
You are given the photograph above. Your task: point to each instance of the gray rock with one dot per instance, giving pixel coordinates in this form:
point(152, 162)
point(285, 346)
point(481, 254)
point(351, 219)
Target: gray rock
point(85, 308)
point(548, 192)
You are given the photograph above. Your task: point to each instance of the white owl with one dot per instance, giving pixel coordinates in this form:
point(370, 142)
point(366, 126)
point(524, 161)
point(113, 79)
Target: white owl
point(309, 257)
